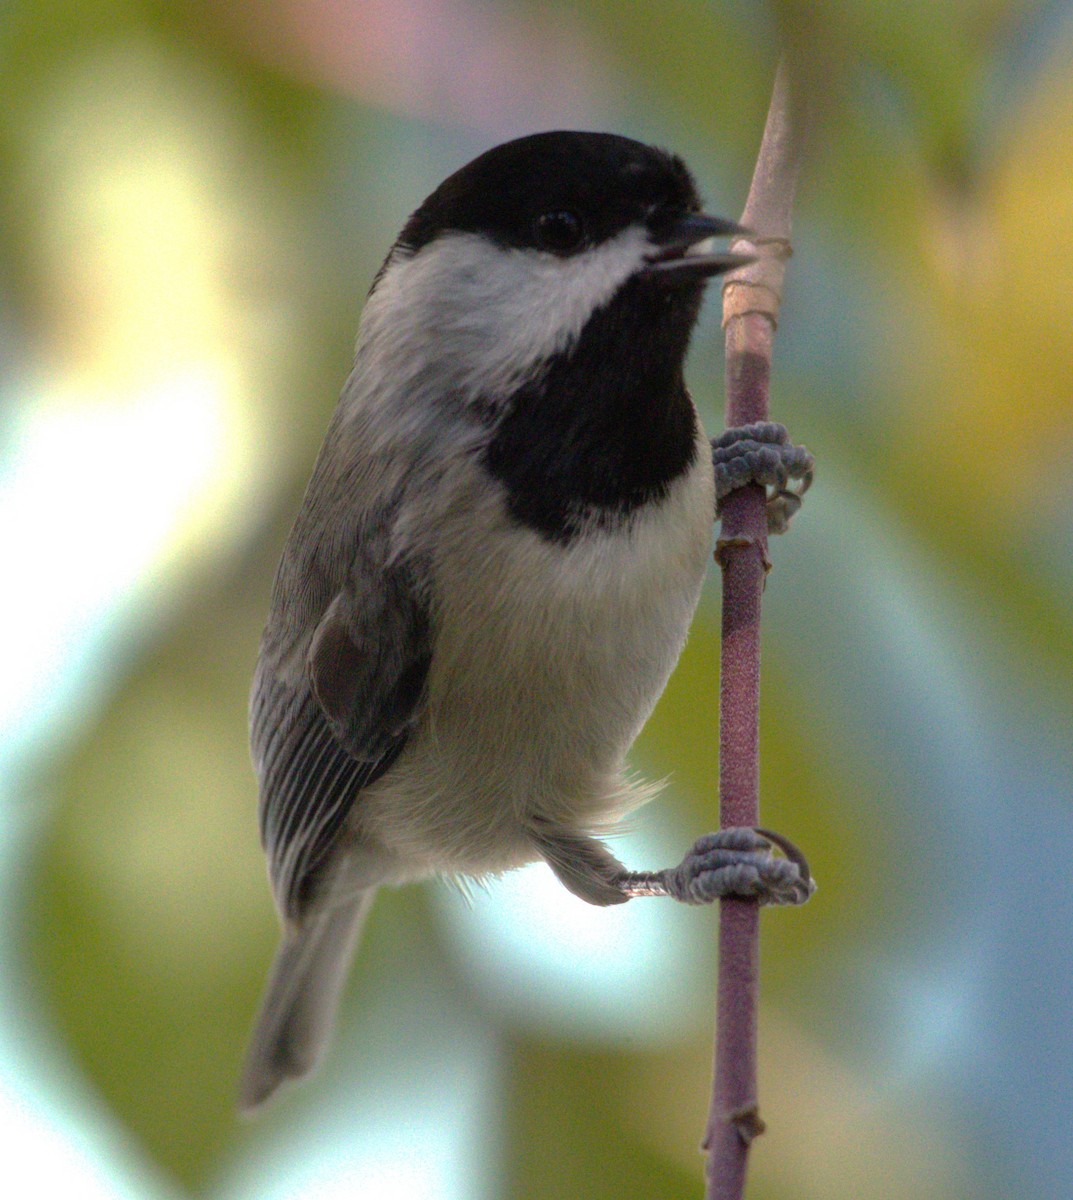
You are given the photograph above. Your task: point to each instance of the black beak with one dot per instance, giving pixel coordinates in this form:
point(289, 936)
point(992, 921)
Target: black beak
point(676, 258)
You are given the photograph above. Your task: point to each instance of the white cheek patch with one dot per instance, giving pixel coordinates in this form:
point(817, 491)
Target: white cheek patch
point(482, 319)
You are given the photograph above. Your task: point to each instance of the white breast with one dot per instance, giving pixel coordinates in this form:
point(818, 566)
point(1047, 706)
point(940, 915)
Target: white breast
point(548, 660)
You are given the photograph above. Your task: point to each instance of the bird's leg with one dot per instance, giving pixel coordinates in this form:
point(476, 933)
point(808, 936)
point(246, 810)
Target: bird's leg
point(761, 453)
point(732, 862)
point(582, 864)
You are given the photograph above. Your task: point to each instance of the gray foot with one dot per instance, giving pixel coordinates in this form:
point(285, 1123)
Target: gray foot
point(761, 453)
point(732, 862)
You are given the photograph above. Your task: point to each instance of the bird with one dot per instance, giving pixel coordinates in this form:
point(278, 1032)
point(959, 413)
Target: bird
point(496, 562)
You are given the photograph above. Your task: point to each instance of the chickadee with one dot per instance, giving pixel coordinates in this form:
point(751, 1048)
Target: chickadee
point(496, 563)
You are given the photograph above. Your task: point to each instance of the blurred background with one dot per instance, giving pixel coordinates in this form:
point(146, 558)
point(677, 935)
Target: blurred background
point(194, 196)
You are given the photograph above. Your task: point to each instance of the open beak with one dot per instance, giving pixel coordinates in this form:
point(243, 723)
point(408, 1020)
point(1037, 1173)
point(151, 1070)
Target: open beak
point(683, 251)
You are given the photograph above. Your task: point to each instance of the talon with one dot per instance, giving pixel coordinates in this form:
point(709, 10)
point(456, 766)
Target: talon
point(793, 853)
point(762, 454)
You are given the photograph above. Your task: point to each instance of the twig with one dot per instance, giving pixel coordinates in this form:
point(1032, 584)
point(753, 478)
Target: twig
point(750, 310)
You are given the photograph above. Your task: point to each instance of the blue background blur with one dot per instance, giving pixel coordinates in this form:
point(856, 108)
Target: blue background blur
point(194, 197)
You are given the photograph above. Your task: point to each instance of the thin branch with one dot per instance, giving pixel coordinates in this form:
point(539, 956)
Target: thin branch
point(751, 299)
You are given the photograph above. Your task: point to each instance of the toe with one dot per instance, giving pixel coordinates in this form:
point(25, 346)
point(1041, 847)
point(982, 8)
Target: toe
point(740, 862)
point(759, 431)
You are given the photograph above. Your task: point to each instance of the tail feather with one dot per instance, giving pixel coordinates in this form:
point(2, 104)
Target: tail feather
point(300, 1000)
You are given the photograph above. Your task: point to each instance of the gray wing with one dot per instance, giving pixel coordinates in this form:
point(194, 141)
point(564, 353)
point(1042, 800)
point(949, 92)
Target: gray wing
point(318, 742)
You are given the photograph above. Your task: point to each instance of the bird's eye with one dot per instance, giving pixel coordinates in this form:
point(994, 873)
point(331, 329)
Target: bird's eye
point(561, 232)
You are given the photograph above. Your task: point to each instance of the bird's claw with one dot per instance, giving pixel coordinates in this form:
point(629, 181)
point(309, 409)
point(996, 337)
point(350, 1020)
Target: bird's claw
point(762, 454)
point(739, 862)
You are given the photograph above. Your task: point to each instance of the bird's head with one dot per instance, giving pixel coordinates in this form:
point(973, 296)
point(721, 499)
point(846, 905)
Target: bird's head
point(504, 265)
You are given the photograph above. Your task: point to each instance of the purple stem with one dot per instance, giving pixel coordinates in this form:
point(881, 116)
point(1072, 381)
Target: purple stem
point(751, 299)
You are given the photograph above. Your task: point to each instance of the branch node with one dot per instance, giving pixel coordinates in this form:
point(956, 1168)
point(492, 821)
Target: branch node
point(741, 297)
point(775, 247)
point(757, 288)
point(724, 545)
point(747, 1122)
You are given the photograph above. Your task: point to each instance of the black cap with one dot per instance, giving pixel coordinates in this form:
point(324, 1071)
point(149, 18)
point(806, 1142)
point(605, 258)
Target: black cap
point(562, 191)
